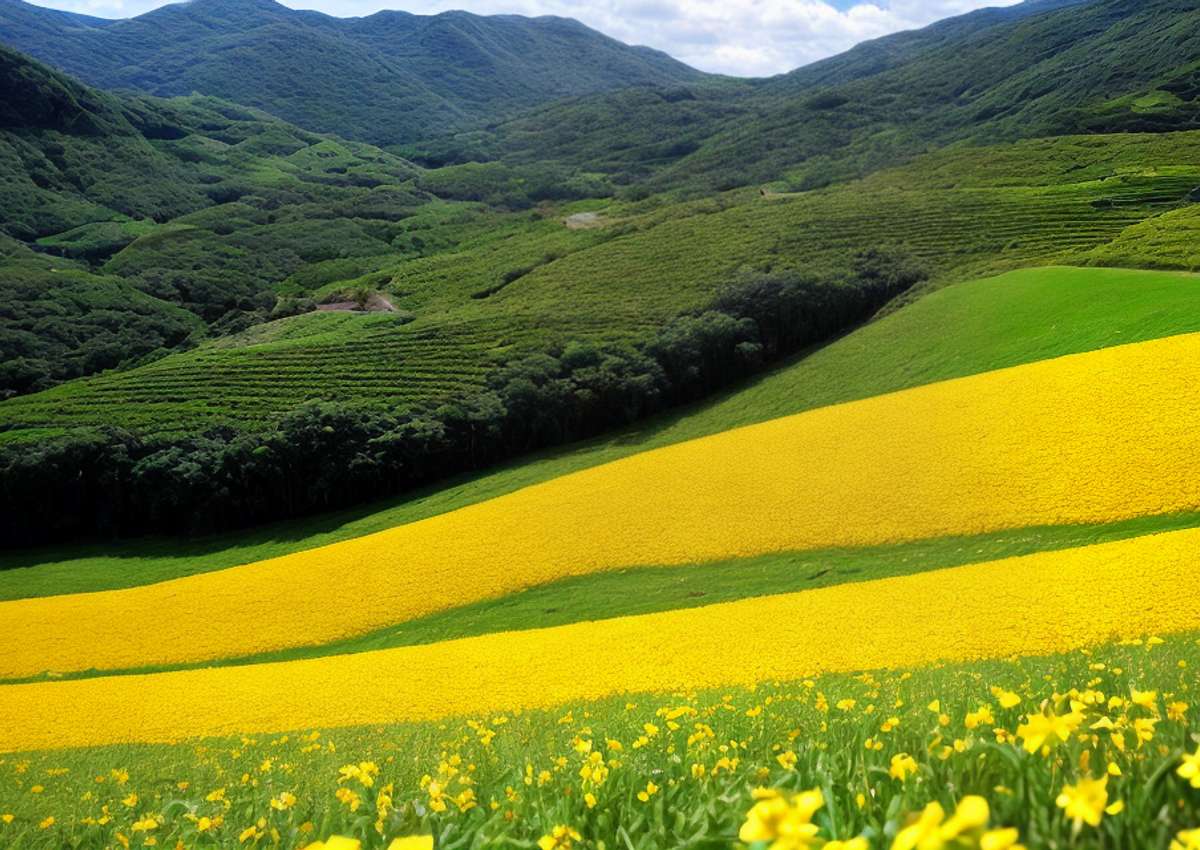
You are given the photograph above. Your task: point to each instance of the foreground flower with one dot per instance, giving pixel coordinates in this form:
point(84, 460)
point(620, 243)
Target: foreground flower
point(1189, 839)
point(1045, 728)
point(1190, 769)
point(1085, 802)
point(559, 838)
point(786, 822)
point(933, 831)
point(336, 842)
point(412, 842)
point(902, 766)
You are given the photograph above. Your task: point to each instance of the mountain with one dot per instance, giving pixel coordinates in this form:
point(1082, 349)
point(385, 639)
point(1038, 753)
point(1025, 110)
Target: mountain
point(84, 173)
point(556, 272)
point(389, 78)
point(1035, 69)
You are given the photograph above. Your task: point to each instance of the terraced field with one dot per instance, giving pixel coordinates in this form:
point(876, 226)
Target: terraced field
point(597, 284)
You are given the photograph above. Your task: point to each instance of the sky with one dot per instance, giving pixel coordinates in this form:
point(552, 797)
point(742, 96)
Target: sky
point(748, 38)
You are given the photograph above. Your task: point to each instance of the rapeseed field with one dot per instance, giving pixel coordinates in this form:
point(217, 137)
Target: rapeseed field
point(1096, 437)
point(1093, 749)
point(1019, 606)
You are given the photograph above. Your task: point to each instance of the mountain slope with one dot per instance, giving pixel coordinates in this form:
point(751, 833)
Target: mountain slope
point(84, 174)
point(1036, 69)
point(391, 77)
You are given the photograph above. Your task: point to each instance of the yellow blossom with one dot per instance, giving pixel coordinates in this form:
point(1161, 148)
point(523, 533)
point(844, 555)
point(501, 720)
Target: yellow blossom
point(1190, 769)
point(412, 842)
point(902, 766)
point(1085, 801)
point(559, 838)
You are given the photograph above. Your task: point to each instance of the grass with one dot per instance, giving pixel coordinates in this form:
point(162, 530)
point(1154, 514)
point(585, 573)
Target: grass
point(960, 330)
point(504, 781)
point(650, 589)
point(606, 284)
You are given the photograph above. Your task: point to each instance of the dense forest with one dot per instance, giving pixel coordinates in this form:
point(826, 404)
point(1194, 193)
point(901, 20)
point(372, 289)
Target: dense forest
point(324, 456)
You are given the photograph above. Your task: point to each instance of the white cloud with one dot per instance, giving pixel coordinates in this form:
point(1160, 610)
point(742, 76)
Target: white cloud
point(741, 37)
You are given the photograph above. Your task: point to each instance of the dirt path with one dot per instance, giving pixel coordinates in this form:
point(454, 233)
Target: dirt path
point(377, 303)
point(584, 221)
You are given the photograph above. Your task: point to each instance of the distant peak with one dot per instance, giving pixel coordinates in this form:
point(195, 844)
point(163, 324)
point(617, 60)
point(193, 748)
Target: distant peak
point(235, 5)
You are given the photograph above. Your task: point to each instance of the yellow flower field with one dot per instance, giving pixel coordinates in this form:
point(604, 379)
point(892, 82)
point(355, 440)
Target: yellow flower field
point(1042, 603)
point(1095, 437)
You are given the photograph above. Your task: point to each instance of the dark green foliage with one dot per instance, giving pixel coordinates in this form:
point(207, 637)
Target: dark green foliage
point(321, 456)
point(193, 202)
point(57, 324)
point(388, 78)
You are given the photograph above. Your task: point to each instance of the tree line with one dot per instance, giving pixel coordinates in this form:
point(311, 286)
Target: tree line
point(322, 455)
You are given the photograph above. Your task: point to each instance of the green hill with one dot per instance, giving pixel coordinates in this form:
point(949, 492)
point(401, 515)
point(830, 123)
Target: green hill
point(960, 330)
point(961, 212)
point(1034, 69)
point(83, 174)
point(388, 78)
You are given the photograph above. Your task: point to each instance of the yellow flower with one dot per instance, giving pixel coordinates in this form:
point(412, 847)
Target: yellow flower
point(1143, 728)
point(412, 842)
point(47, 823)
point(1046, 728)
point(651, 790)
point(1144, 699)
point(972, 813)
point(858, 843)
point(787, 760)
point(130, 801)
point(1188, 839)
point(924, 833)
point(785, 821)
point(1190, 769)
point(933, 831)
point(902, 766)
point(1007, 699)
point(145, 824)
point(348, 798)
point(283, 802)
point(978, 718)
point(1000, 839)
point(336, 842)
point(6, 818)
point(559, 838)
point(1085, 801)
point(247, 833)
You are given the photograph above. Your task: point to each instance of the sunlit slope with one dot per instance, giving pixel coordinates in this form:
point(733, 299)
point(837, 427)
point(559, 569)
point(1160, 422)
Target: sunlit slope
point(1086, 438)
point(1048, 602)
point(960, 330)
point(962, 213)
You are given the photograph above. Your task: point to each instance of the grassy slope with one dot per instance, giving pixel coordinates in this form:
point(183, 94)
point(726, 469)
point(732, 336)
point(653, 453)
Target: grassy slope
point(963, 213)
point(960, 330)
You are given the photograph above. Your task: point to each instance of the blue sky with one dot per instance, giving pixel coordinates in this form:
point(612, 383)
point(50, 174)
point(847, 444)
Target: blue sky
point(742, 37)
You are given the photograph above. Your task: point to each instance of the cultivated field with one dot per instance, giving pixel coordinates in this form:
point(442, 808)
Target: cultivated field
point(525, 280)
point(973, 633)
